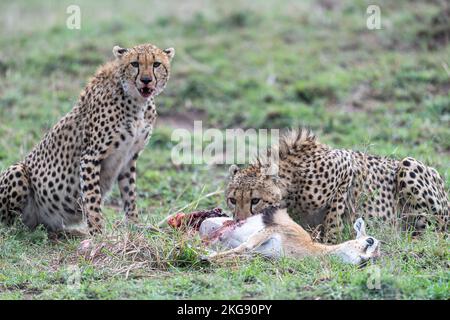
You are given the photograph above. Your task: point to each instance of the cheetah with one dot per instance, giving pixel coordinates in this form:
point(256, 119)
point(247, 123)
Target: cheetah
point(324, 187)
point(63, 181)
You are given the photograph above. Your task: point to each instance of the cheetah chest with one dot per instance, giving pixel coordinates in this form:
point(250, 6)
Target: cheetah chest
point(130, 142)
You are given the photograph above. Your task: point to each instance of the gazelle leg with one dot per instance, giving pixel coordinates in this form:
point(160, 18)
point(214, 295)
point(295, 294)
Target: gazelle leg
point(252, 242)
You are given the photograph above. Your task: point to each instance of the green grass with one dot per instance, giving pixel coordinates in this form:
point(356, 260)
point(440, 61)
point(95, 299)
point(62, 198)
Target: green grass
point(238, 64)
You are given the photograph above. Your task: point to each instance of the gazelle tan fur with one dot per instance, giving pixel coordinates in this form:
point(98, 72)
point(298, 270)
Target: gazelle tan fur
point(273, 233)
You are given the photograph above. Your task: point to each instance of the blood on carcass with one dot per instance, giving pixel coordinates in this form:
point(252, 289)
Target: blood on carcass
point(194, 219)
point(221, 232)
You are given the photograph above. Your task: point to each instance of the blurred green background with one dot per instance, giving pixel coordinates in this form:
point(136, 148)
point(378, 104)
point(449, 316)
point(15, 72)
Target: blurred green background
point(246, 64)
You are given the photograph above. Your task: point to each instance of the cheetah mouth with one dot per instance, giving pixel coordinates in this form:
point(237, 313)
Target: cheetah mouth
point(146, 92)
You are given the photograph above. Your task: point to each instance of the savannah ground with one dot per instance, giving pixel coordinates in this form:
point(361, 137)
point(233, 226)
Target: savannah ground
point(244, 65)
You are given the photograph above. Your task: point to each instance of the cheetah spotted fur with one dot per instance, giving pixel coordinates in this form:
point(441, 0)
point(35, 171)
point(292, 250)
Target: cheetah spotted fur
point(63, 181)
point(326, 187)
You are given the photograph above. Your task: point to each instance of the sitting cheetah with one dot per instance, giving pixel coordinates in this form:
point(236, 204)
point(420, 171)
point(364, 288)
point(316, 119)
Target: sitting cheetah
point(65, 178)
point(324, 186)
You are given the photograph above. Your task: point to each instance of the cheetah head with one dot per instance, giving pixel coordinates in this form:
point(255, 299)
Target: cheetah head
point(251, 190)
point(144, 69)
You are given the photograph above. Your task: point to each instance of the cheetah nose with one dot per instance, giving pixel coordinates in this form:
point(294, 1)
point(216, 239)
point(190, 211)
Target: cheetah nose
point(370, 241)
point(146, 80)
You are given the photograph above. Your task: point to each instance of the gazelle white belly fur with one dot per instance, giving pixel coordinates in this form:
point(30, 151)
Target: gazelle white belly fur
point(240, 234)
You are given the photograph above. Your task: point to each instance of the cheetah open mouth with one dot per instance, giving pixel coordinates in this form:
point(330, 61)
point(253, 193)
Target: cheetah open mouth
point(145, 92)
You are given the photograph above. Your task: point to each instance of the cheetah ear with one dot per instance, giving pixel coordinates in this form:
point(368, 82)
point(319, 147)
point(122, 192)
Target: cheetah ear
point(360, 228)
point(170, 52)
point(270, 171)
point(275, 178)
point(233, 170)
point(118, 51)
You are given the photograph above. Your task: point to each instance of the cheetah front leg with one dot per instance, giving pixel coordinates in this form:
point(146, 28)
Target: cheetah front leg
point(14, 192)
point(127, 186)
point(334, 220)
point(91, 193)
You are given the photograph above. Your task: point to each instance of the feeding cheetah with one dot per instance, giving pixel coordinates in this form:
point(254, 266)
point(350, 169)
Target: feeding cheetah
point(62, 182)
point(324, 186)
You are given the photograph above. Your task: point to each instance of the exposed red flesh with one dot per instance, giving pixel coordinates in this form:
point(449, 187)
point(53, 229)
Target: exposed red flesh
point(193, 219)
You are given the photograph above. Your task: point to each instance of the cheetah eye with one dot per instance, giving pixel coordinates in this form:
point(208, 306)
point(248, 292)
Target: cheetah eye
point(156, 64)
point(135, 64)
point(255, 201)
point(232, 200)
